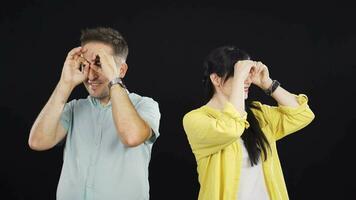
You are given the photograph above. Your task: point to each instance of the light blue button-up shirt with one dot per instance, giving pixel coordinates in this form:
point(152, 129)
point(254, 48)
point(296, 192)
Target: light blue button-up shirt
point(96, 164)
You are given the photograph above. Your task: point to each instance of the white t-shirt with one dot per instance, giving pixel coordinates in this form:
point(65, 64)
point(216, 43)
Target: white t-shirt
point(252, 182)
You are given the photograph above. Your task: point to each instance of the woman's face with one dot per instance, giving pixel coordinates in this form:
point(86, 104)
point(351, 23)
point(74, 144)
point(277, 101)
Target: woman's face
point(227, 86)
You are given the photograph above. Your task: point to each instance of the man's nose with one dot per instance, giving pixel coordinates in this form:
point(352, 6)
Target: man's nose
point(92, 74)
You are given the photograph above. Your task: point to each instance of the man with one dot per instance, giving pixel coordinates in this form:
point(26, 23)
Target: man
point(109, 135)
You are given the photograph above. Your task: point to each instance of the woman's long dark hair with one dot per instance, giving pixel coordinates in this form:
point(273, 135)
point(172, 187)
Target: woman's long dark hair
point(221, 61)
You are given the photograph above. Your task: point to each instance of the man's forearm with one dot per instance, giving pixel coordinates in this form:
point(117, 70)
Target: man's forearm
point(132, 129)
point(43, 131)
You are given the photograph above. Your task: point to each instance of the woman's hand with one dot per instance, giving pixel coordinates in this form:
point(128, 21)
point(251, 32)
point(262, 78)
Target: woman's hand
point(242, 69)
point(260, 76)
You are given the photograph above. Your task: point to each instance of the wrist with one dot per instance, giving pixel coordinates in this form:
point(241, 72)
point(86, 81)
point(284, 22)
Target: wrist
point(117, 89)
point(65, 86)
point(116, 81)
point(275, 84)
point(62, 92)
point(267, 84)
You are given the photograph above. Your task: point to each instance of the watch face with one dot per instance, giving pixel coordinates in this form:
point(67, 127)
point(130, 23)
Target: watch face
point(117, 81)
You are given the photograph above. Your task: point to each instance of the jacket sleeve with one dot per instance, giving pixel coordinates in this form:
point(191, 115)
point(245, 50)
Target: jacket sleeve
point(209, 134)
point(284, 120)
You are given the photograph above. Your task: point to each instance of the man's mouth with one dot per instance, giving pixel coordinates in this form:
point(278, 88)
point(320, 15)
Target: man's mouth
point(94, 85)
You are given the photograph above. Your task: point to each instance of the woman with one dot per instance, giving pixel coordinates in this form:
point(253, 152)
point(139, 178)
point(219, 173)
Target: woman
point(235, 144)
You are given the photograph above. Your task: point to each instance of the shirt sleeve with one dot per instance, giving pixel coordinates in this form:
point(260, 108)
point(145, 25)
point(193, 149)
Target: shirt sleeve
point(284, 120)
point(209, 134)
point(67, 115)
point(148, 110)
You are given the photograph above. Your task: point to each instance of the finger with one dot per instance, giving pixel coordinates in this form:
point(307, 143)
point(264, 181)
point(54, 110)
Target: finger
point(74, 52)
point(253, 70)
point(95, 58)
point(76, 64)
point(252, 64)
point(83, 50)
point(86, 71)
point(265, 70)
point(96, 68)
point(76, 57)
point(263, 66)
point(102, 52)
point(257, 65)
point(104, 57)
point(80, 62)
point(98, 60)
point(259, 69)
point(86, 65)
point(254, 67)
point(84, 59)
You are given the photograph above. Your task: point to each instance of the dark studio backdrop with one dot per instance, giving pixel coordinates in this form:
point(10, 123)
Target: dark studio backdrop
point(310, 49)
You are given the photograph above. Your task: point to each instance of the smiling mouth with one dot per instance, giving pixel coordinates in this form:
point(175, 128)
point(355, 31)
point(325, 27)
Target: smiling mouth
point(93, 85)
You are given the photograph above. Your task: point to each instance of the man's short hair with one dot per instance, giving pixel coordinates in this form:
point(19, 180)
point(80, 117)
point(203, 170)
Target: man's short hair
point(108, 36)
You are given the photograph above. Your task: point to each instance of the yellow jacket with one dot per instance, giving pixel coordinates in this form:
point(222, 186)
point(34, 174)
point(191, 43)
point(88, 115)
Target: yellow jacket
point(213, 136)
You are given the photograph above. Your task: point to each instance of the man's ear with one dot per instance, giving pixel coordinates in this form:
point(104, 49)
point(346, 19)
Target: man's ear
point(123, 69)
point(216, 80)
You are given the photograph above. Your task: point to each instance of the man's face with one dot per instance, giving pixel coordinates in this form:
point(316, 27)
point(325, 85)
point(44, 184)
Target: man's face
point(96, 84)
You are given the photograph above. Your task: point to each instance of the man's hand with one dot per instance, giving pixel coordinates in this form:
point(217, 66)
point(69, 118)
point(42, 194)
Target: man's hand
point(72, 74)
point(260, 76)
point(107, 64)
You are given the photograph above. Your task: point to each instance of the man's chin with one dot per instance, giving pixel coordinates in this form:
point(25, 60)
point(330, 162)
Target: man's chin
point(98, 96)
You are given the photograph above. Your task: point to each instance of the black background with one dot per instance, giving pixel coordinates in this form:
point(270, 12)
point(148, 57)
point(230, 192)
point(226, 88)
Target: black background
point(308, 48)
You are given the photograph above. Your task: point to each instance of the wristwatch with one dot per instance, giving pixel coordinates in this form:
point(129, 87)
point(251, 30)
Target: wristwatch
point(272, 88)
point(115, 81)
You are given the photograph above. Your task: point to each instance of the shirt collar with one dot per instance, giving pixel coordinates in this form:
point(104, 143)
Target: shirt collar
point(96, 101)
